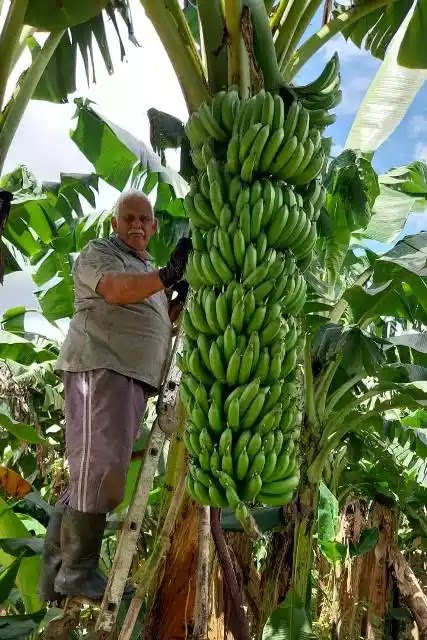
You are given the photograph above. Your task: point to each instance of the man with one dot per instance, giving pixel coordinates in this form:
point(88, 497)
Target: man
point(112, 359)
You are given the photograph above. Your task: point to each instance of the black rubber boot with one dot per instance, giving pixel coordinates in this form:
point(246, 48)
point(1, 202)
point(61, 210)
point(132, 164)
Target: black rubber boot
point(51, 556)
point(81, 539)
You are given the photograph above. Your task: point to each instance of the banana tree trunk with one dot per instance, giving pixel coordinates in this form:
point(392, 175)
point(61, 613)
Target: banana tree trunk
point(360, 590)
point(352, 524)
point(171, 613)
point(410, 590)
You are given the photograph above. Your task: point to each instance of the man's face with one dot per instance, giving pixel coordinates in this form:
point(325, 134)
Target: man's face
point(135, 223)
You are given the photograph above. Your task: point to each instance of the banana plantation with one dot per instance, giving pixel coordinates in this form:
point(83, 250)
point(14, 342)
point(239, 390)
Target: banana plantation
point(277, 489)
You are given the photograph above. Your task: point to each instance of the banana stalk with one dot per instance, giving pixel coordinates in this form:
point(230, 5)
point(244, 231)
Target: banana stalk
point(172, 28)
point(8, 41)
point(213, 27)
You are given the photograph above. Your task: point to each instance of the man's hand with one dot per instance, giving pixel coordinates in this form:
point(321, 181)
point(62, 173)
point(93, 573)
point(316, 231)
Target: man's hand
point(174, 270)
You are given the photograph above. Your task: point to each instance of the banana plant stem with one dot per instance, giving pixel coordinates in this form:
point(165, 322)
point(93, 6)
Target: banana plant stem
point(342, 304)
point(26, 90)
point(340, 392)
point(212, 23)
point(25, 33)
point(233, 13)
point(310, 408)
point(9, 39)
point(288, 29)
point(301, 27)
point(279, 14)
point(324, 384)
point(169, 21)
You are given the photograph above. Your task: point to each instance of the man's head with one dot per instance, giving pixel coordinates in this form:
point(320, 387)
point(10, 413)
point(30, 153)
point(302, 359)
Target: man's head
point(134, 220)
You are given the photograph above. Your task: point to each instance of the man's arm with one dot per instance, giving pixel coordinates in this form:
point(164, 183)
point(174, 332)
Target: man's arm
point(124, 288)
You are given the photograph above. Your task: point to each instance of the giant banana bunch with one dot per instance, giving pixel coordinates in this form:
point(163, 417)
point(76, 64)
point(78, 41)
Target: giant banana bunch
point(253, 210)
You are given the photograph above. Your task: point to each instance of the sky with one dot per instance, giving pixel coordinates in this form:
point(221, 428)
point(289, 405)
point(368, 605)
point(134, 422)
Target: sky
point(146, 79)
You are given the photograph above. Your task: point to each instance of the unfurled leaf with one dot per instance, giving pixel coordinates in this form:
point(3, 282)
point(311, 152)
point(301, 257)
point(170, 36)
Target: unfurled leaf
point(327, 513)
point(170, 231)
point(19, 627)
point(49, 15)
point(383, 300)
point(18, 349)
point(21, 431)
point(115, 153)
point(7, 581)
point(13, 320)
point(29, 569)
point(57, 301)
point(402, 373)
point(360, 351)
point(289, 621)
point(417, 341)
point(410, 179)
point(416, 420)
point(376, 30)
point(332, 550)
point(410, 253)
point(22, 547)
point(394, 87)
point(352, 186)
point(391, 211)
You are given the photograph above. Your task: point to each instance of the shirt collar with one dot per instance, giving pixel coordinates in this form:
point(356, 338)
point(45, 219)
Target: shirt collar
point(127, 249)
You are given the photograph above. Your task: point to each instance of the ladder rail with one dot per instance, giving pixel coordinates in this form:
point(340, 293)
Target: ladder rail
point(149, 570)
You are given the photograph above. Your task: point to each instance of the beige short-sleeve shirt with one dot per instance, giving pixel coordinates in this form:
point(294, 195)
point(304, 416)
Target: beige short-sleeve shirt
point(133, 339)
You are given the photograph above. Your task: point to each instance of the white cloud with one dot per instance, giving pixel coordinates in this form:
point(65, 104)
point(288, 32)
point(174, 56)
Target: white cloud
point(353, 92)
point(417, 125)
point(421, 151)
point(337, 149)
point(345, 49)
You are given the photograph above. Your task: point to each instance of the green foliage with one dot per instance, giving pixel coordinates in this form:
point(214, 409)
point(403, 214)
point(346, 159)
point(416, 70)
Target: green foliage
point(22, 547)
point(359, 351)
point(352, 188)
point(327, 514)
point(289, 621)
point(17, 627)
point(21, 431)
point(7, 579)
point(48, 15)
point(376, 31)
point(115, 152)
point(403, 192)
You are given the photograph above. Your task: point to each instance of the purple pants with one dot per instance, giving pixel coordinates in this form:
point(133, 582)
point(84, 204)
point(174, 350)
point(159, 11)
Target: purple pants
point(103, 412)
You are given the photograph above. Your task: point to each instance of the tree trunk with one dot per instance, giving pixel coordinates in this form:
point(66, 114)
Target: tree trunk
point(171, 612)
point(410, 590)
point(353, 522)
point(359, 591)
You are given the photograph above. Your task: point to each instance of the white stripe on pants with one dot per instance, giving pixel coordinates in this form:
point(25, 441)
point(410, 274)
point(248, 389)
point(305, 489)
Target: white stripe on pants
point(103, 414)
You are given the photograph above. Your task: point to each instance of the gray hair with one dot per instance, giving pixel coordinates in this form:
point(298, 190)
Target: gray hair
point(127, 195)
